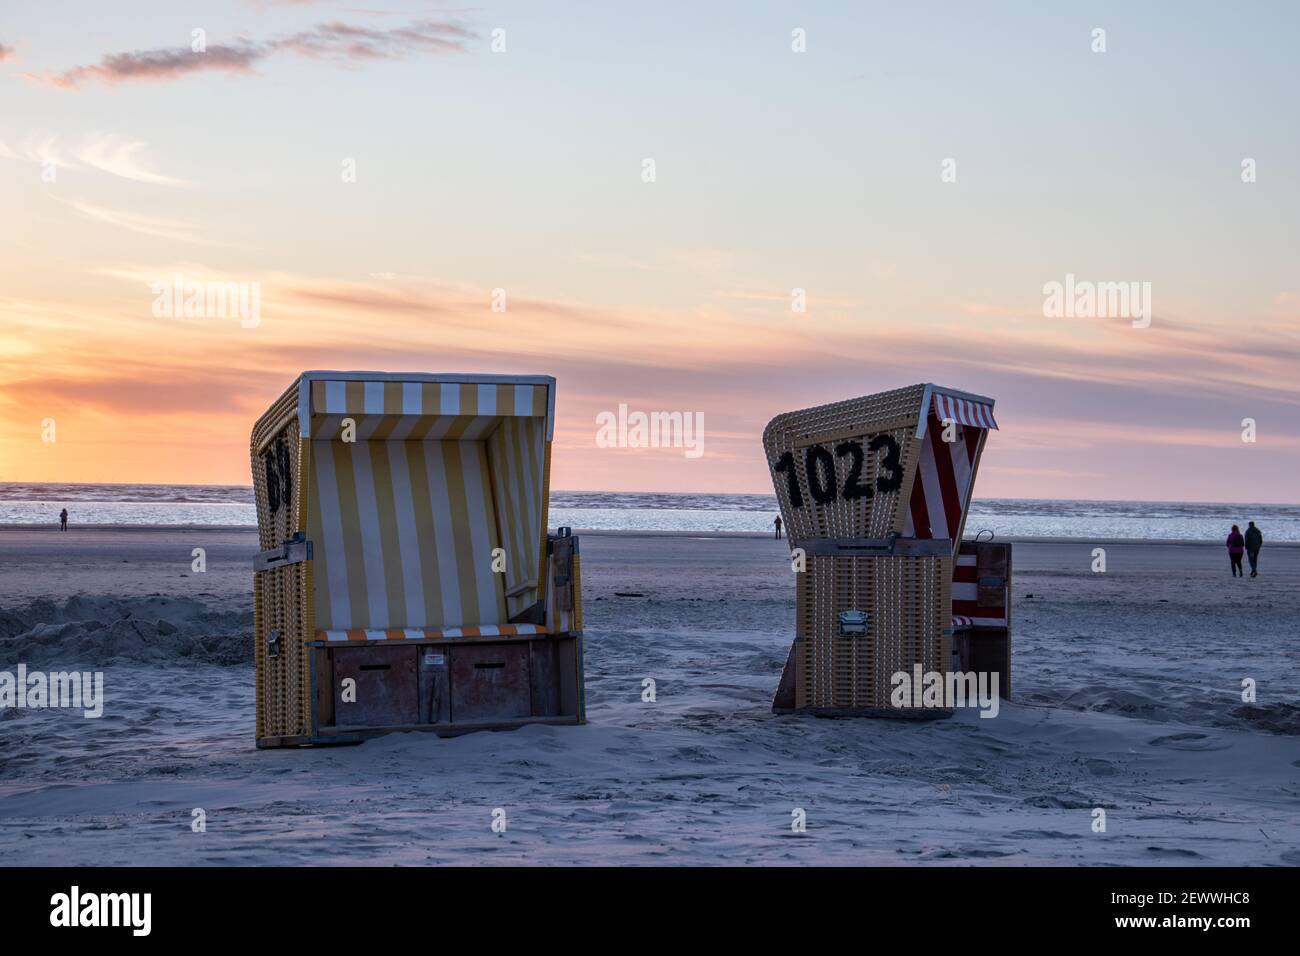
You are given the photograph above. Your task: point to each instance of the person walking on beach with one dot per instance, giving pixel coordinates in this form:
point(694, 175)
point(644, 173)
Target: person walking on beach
point(1254, 541)
point(63, 520)
point(777, 524)
point(1236, 546)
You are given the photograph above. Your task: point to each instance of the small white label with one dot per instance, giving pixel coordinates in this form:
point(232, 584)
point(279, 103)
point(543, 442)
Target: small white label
point(434, 660)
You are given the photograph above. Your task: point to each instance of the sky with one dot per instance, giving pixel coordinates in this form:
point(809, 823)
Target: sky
point(921, 172)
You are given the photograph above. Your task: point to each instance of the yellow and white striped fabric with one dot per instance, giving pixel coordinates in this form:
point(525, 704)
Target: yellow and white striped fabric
point(408, 502)
point(420, 633)
point(421, 411)
point(517, 450)
point(402, 535)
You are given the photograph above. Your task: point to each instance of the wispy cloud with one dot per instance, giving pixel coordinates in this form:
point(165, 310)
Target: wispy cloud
point(107, 152)
point(37, 148)
point(122, 157)
point(341, 42)
point(145, 225)
point(5, 52)
point(335, 42)
point(161, 65)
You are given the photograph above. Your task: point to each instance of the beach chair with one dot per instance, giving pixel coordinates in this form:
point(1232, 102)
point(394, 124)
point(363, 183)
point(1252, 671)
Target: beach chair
point(873, 493)
point(406, 579)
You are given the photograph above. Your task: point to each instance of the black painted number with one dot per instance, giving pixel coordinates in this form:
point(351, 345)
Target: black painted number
point(823, 483)
point(818, 459)
point(786, 464)
point(890, 461)
point(852, 489)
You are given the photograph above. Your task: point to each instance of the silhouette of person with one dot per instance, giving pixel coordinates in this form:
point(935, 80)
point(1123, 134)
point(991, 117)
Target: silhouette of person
point(1236, 547)
point(1254, 541)
point(777, 525)
point(63, 520)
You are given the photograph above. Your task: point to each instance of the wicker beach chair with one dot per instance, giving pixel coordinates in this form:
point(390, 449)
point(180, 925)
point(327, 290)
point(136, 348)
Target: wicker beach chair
point(407, 580)
point(873, 493)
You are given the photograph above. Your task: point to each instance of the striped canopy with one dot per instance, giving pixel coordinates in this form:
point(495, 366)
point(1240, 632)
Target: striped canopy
point(963, 410)
point(418, 407)
point(952, 436)
point(414, 481)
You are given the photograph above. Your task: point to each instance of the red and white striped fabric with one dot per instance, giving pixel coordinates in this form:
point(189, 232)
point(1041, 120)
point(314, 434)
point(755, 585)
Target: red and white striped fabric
point(963, 411)
point(961, 620)
point(941, 491)
point(966, 608)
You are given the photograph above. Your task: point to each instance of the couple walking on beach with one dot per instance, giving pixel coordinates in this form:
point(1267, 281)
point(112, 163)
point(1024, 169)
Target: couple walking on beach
point(1249, 544)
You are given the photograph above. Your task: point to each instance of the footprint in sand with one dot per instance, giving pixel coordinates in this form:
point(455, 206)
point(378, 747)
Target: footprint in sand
point(1176, 852)
point(1188, 741)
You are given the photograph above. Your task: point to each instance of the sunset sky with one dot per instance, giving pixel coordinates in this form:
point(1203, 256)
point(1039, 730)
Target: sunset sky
point(775, 170)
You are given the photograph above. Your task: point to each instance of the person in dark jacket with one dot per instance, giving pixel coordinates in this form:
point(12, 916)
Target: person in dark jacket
point(777, 524)
point(1254, 541)
point(1236, 546)
point(63, 520)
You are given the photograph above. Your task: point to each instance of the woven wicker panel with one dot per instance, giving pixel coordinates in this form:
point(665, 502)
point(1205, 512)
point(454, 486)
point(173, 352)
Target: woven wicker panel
point(281, 596)
point(279, 447)
point(273, 421)
point(907, 600)
point(283, 682)
point(831, 430)
point(259, 652)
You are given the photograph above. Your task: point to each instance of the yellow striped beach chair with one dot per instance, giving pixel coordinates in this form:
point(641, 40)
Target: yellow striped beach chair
point(406, 579)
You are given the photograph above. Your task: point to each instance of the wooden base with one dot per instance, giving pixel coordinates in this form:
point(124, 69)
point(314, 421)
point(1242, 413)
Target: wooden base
point(895, 713)
point(446, 730)
point(340, 736)
point(303, 740)
point(985, 650)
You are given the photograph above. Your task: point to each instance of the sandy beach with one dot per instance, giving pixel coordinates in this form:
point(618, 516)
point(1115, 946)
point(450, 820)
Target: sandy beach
point(1127, 698)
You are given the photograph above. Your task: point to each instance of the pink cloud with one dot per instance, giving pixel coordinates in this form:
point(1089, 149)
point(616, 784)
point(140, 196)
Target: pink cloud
point(334, 42)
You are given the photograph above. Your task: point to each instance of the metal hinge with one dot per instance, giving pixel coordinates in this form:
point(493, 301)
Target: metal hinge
point(291, 551)
point(853, 623)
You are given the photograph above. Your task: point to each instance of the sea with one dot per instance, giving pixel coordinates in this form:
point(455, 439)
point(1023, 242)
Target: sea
point(232, 505)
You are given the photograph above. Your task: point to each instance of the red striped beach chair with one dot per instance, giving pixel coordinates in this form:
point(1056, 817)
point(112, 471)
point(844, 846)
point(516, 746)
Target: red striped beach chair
point(407, 580)
point(874, 494)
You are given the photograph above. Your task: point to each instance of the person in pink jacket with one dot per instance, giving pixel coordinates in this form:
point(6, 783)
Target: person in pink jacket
point(1236, 548)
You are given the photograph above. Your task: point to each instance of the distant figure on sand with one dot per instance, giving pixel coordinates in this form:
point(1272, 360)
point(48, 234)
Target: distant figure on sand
point(1254, 541)
point(63, 520)
point(777, 524)
point(1236, 545)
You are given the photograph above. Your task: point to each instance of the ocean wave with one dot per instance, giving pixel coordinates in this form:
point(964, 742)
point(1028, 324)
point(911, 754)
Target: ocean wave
point(214, 505)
